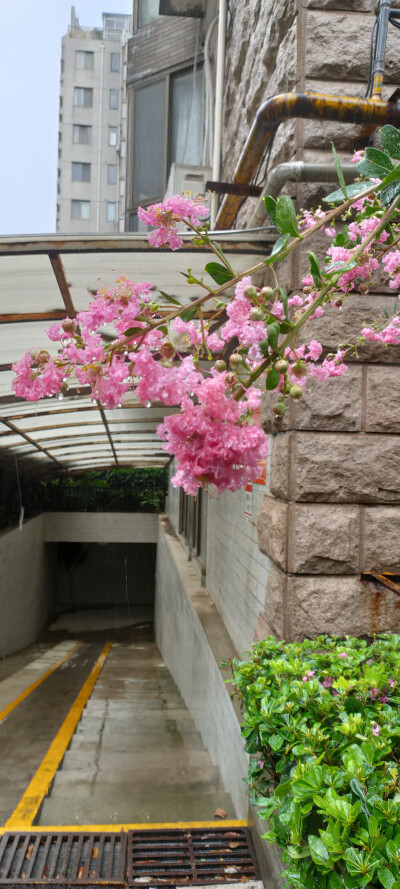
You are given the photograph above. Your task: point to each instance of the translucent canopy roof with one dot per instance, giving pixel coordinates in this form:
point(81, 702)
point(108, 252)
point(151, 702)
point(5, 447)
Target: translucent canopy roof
point(46, 278)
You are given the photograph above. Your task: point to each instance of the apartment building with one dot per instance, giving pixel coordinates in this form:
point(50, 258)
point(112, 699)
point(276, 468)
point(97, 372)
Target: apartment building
point(92, 121)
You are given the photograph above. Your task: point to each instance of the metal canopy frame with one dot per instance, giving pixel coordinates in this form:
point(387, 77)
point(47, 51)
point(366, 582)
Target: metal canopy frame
point(47, 278)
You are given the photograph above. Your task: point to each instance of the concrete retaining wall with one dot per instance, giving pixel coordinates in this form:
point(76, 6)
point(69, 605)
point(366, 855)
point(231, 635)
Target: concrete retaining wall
point(27, 576)
point(101, 527)
point(193, 641)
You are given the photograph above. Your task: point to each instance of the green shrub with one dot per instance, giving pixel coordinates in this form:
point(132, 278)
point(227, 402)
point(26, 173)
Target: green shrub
point(322, 719)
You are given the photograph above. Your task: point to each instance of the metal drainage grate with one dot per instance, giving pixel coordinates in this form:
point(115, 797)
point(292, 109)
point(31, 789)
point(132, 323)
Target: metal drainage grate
point(62, 858)
point(196, 856)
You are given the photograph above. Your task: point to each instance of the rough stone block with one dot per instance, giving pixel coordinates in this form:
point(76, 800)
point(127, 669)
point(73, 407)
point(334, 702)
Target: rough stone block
point(275, 602)
point(323, 539)
point(351, 32)
point(341, 606)
point(381, 539)
point(345, 5)
point(344, 325)
point(280, 465)
point(341, 468)
point(272, 523)
point(382, 400)
point(333, 406)
point(262, 628)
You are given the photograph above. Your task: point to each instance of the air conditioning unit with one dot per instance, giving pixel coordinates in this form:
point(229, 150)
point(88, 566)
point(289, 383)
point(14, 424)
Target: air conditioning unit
point(187, 178)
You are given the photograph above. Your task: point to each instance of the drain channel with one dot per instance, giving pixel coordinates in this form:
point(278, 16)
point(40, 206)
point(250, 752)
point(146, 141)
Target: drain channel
point(158, 858)
point(195, 856)
point(62, 859)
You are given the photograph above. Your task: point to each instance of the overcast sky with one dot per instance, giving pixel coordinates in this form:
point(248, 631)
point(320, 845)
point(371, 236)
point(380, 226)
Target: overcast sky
point(29, 92)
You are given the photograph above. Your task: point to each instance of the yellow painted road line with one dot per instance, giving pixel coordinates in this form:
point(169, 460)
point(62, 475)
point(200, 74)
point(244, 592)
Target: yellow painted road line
point(116, 828)
point(27, 808)
point(24, 694)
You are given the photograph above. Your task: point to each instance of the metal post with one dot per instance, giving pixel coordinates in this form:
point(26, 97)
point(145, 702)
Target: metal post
point(378, 70)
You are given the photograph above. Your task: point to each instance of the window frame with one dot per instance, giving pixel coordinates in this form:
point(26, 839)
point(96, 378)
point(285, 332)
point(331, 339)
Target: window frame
point(131, 206)
point(111, 181)
point(112, 204)
point(82, 165)
point(117, 56)
point(86, 54)
point(75, 201)
point(114, 92)
point(82, 126)
point(110, 131)
point(86, 91)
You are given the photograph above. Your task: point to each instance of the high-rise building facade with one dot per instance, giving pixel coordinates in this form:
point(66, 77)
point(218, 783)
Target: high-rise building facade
point(92, 124)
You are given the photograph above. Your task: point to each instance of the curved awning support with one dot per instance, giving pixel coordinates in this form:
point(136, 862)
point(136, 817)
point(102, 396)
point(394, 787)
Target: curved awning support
point(286, 106)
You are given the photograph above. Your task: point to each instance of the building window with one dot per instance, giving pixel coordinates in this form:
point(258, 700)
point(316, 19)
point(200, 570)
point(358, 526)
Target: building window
point(112, 136)
point(80, 209)
point(114, 99)
point(83, 97)
point(177, 99)
point(112, 174)
point(111, 208)
point(80, 172)
point(59, 136)
point(82, 134)
point(84, 60)
point(147, 12)
point(114, 62)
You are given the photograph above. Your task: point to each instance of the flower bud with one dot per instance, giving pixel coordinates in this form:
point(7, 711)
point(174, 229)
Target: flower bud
point(267, 293)
point(69, 325)
point(296, 392)
point(231, 379)
point(281, 366)
point(299, 369)
point(256, 314)
point(251, 292)
point(235, 360)
point(167, 350)
point(220, 365)
point(279, 409)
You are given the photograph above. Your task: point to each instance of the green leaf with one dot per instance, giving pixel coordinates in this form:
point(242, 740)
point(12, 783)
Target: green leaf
point(386, 877)
point(390, 141)
point(279, 246)
point(375, 163)
point(285, 216)
point(319, 852)
point(276, 742)
point(284, 299)
point(218, 272)
point(336, 197)
point(270, 206)
point(373, 827)
point(357, 789)
point(189, 315)
point(273, 331)
point(334, 881)
point(272, 381)
point(252, 743)
point(264, 348)
point(390, 192)
point(315, 269)
point(134, 331)
point(339, 172)
point(292, 851)
point(395, 174)
point(170, 299)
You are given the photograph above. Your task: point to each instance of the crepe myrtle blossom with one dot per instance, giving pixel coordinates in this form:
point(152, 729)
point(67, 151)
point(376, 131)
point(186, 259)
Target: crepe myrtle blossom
point(165, 216)
point(212, 358)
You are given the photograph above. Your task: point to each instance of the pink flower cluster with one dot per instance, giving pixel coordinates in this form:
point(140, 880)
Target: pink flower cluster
point(166, 215)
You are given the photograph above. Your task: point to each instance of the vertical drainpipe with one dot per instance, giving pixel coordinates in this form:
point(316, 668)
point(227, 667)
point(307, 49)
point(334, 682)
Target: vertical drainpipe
point(219, 99)
point(379, 61)
point(100, 142)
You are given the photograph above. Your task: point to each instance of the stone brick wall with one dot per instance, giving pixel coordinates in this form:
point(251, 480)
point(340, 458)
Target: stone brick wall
point(332, 510)
point(298, 45)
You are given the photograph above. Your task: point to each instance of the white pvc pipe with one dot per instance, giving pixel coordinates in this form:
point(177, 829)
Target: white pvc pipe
point(219, 99)
point(297, 171)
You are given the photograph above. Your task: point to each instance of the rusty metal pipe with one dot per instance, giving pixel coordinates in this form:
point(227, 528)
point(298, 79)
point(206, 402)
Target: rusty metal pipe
point(314, 106)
